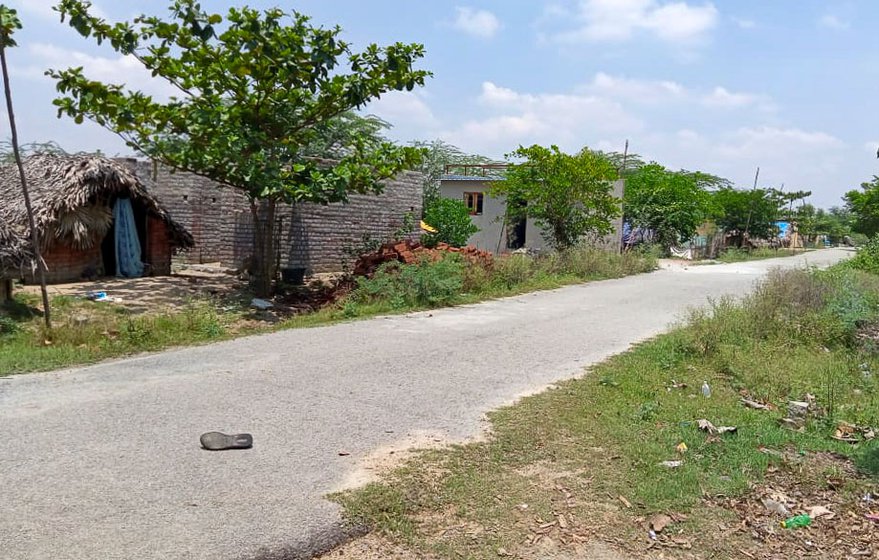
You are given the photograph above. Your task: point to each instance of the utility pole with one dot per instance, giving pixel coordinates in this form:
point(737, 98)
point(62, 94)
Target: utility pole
point(751, 205)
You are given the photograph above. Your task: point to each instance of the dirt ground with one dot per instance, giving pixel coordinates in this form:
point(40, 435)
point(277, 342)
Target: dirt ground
point(843, 503)
point(155, 293)
point(374, 547)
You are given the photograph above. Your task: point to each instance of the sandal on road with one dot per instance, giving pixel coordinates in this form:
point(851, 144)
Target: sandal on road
point(216, 441)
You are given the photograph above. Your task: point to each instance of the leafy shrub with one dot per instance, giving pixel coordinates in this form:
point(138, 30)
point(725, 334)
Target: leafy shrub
point(425, 284)
point(513, 270)
point(867, 258)
point(451, 219)
point(824, 307)
point(8, 326)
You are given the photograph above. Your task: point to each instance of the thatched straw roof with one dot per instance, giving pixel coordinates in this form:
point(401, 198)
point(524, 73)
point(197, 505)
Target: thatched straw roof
point(15, 253)
point(71, 197)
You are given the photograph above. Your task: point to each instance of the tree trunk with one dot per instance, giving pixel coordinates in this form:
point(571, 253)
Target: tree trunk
point(35, 235)
point(264, 263)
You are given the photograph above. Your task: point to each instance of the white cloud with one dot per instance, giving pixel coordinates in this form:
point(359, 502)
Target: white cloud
point(607, 108)
point(124, 70)
point(775, 143)
point(404, 109)
point(654, 92)
point(643, 91)
point(744, 23)
point(722, 97)
point(568, 120)
point(619, 20)
point(478, 23)
point(830, 21)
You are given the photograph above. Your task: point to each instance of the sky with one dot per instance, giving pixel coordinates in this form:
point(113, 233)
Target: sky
point(722, 87)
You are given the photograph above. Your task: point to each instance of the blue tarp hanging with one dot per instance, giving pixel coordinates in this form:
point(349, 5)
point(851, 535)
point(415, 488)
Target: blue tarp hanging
point(128, 263)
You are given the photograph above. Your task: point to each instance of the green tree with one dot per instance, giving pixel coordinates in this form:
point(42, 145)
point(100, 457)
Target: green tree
point(625, 163)
point(9, 24)
point(671, 204)
point(568, 196)
point(254, 91)
point(753, 211)
point(708, 181)
point(864, 207)
point(451, 218)
point(335, 138)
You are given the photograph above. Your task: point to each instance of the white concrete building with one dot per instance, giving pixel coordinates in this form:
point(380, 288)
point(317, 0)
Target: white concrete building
point(488, 215)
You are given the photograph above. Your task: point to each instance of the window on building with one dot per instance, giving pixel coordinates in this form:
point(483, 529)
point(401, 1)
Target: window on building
point(473, 200)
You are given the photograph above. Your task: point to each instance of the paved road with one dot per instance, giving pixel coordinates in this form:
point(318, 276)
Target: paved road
point(104, 462)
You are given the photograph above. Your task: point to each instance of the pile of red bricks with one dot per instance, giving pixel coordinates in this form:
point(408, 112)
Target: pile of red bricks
point(410, 252)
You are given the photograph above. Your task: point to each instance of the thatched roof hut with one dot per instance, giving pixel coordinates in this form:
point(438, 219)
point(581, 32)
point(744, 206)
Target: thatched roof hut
point(14, 250)
point(72, 198)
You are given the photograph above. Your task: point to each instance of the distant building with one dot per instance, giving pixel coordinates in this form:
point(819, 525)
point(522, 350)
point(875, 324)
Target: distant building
point(472, 186)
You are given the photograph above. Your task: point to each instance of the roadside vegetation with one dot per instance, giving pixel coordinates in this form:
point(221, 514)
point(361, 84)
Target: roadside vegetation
point(89, 331)
point(733, 255)
point(624, 450)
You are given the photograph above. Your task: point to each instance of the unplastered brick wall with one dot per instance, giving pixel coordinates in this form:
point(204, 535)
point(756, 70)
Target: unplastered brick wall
point(67, 264)
point(311, 236)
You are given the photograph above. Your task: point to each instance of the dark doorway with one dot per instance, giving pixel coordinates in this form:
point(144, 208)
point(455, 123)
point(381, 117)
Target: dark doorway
point(517, 230)
point(516, 234)
point(108, 244)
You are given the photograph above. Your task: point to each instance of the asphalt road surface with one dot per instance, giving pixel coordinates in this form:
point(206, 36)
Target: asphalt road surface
point(103, 462)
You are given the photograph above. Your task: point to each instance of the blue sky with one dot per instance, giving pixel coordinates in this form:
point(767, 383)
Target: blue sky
point(722, 86)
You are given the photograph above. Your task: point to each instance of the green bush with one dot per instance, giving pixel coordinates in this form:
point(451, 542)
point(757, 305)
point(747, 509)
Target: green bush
point(455, 279)
point(8, 325)
point(867, 258)
point(451, 219)
point(425, 284)
point(824, 307)
point(512, 270)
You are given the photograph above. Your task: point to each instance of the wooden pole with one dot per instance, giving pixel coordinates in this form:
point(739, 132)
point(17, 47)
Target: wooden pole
point(35, 235)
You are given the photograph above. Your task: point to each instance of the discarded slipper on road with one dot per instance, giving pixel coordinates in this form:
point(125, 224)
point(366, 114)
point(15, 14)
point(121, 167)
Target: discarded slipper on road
point(216, 441)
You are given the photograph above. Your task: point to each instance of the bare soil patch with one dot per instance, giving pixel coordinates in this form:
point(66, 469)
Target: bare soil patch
point(155, 294)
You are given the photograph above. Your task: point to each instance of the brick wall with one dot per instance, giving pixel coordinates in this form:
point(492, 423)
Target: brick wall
point(67, 264)
point(312, 236)
point(158, 247)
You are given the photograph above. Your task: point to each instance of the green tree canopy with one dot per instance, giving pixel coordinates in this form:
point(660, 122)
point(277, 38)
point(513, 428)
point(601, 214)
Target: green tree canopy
point(864, 207)
point(672, 204)
point(568, 196)
point(754, 211)
point(451, 218)
point(625, 163)
point(255, 90)
point(333, 139)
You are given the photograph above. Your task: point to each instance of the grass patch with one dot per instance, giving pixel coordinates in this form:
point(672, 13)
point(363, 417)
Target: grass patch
point(575, 449)
point(734, 255)
point(86, 332)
